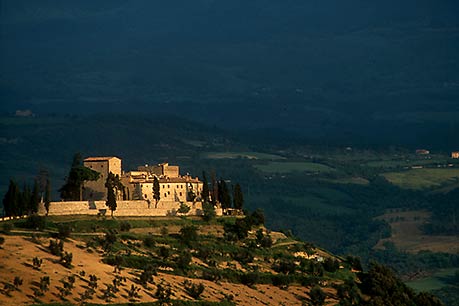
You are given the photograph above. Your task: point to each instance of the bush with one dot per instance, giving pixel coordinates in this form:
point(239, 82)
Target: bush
point(7, 227)
point(64, 231)
point(149, 241)
point(193, 290)
point(281, 280)
point(317, 295)
point(188, 234)
point(184, 260)
point(17, 282)
point(133, 293)
point(2, 240)
point(331, 264)
point(66, 259)
point(163, 294)
point(109, 240)
point(249, 279)
point(286, 266)
point(184, 209)
point(35, 222)
point(208, 211)
point(164, 252)
point(256, 218)
point(125, 226)
point(56, 247)
point(147, 275)
point(37, 262)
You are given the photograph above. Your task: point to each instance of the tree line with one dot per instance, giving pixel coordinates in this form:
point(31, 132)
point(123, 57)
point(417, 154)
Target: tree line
point(24, 201)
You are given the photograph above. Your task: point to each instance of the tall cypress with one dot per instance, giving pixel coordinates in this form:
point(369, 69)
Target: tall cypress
point(34, 199)
point(238, 197)
point(111, 196)
point(205, 188)
point(47, 196)
point(11, 199)
point(225, 197)
point(156, 191)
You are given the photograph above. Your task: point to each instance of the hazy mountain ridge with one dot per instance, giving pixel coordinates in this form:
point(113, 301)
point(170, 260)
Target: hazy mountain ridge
point(270, 60)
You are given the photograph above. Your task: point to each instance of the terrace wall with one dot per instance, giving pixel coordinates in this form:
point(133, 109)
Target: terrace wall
point(124, 208)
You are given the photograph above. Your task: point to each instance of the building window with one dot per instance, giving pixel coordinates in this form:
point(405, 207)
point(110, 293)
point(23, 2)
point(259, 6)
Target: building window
point(180, 194)
point(168, 186)
point(165, 195)
point(145, 196)
point(168, 192)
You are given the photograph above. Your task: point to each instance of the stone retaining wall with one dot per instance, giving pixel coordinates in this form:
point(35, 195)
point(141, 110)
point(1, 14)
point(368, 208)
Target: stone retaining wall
point(124, 208)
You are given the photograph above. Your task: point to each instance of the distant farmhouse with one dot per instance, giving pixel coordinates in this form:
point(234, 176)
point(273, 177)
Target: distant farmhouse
point(136, 198)
point(455, 154)
point(422, 152)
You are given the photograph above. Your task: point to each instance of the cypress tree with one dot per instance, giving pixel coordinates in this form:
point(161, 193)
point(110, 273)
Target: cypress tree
point(24, 200)
point(11, 199)
point(73, 188)
point(34, 199)
point(225, 197)
point(205, 188)
point(47, 196)
point(238, 197)
point(110, 184)
point(156, 191)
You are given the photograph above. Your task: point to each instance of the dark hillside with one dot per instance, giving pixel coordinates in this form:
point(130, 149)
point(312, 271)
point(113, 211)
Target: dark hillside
point(309, 68)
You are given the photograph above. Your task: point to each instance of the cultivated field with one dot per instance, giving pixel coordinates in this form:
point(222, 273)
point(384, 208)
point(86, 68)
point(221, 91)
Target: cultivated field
point(407, 235)
point(423, 178)
point(288, 167)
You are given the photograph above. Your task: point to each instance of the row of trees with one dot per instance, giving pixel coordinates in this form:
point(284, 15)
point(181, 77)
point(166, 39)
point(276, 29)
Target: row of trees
point(220, 192)
point(20, 202)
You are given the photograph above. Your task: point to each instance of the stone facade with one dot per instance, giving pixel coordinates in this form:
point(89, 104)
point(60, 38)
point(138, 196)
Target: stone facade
point(173, 187)
point(124, 208)
point(95, 190)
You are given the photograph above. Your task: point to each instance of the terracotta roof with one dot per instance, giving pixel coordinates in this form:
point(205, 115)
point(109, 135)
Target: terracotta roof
point(100, 158)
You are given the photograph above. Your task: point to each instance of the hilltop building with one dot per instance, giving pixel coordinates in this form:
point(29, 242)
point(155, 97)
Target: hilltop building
point(95, 190)
point(455, 154)
point(173, 186)
point(136, 196)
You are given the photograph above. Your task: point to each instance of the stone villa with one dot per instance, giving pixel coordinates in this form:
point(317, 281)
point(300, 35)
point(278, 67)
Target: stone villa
point(136, 198)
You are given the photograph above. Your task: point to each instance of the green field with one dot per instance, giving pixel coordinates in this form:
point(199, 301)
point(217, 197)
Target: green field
point(247, 155)
point(288, 167)
point(423, 178)
point(433, 282)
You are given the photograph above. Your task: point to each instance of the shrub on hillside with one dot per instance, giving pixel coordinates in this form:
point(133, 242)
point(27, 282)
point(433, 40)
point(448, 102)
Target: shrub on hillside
point(149, 241)
point(193, 290)
point(63, 231)
point(7, 227)
point(35, 222)
point(125, 226)
point(281, 280)
point(317, 295)
point(2, 240)
point(184, 260)
point(66, 259)
point(56, 247)
point(249, 279)
point(188, 234)
point(163, 294)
